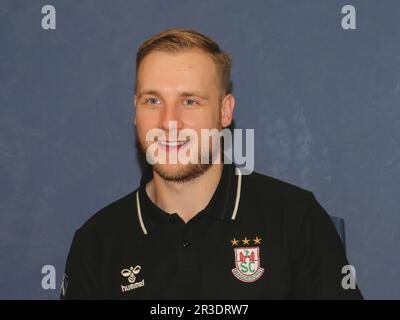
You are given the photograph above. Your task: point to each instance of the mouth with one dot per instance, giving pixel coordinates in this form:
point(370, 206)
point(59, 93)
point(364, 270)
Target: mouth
point(172, 144)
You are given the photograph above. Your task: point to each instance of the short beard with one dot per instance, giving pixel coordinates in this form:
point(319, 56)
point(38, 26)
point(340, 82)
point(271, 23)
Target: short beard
point(188, 173)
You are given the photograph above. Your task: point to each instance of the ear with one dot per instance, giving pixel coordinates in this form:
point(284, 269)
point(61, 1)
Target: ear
point(134, 106)
point(228, 104)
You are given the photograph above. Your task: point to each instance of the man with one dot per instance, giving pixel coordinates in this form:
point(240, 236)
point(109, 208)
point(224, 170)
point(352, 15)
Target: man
point(201, 230)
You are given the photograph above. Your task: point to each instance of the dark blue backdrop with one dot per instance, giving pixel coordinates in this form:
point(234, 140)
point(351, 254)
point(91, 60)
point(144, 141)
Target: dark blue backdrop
point(324, 103)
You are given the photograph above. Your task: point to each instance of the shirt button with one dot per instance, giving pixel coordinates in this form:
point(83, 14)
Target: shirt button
point(186, 244)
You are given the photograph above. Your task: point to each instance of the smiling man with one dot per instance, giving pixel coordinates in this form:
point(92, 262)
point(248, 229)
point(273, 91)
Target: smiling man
point(201, 229)
point(182, 87)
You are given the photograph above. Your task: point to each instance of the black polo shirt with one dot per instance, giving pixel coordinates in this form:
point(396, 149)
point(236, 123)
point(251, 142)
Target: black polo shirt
point(258, 238)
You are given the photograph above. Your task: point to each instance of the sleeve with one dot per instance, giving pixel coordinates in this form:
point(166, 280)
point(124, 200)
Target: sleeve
point(79, 277)
point(318, 257)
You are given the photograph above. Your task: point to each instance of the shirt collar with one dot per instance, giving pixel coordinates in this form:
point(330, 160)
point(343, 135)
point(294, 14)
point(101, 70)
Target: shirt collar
point(221, 206)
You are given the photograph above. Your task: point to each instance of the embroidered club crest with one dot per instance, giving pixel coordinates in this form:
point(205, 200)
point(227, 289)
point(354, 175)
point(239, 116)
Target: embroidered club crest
point(247, 261)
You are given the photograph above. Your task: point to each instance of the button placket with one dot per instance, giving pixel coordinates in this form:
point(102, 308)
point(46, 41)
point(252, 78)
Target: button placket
point(187, 247)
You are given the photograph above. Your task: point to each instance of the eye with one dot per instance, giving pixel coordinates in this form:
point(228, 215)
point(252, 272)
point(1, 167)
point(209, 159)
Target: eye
point(191, 102)
point(152, 101)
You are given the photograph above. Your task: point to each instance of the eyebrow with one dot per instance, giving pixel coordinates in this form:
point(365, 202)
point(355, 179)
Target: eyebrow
point(182, 94)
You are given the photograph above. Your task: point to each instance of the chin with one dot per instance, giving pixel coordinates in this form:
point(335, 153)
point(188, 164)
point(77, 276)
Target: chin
point(180, 172)
point(171, 169)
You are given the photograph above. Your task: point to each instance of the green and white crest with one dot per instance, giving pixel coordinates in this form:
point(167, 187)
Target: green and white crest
point(247, 261)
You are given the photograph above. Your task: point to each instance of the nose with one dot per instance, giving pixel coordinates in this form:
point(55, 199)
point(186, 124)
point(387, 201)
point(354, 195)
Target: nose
point(171, 118)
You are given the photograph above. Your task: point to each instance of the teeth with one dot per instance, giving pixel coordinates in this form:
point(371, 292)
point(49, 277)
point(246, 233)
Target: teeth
point(172, 143)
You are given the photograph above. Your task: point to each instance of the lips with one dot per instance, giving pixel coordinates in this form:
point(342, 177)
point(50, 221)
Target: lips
point(172, 144)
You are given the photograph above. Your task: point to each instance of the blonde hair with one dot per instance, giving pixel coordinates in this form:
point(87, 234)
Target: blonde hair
point(177, 39)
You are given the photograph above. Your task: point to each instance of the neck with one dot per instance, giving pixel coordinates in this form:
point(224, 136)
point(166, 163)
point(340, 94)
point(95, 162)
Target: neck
point(186, 199)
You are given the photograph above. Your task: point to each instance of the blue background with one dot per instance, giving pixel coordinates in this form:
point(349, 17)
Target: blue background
point(324, 103)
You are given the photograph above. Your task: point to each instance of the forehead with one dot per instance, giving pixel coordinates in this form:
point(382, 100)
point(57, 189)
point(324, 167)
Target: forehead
point(192, 67)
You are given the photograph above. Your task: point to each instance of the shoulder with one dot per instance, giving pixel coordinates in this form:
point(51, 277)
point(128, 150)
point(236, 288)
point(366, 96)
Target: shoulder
point(111, 220)
point(265, 197)
point(269, 188)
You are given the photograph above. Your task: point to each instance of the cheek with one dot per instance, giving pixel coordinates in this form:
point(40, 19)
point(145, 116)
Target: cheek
point(141, 130)
point(145, 121)
point(202, 120)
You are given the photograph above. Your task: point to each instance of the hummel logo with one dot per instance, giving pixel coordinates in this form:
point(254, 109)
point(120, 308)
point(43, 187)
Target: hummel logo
point(131, 275)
